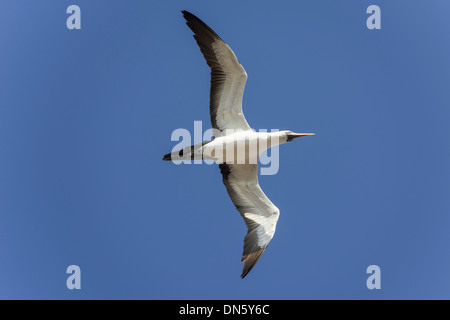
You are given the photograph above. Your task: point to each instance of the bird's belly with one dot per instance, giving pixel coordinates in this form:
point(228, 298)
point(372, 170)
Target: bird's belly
point(235, 151)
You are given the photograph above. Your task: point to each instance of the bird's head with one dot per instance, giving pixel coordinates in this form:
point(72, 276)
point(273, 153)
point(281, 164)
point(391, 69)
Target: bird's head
point(289, 135)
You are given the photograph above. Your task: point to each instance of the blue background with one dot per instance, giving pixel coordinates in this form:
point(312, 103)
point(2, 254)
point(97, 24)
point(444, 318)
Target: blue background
point(86, 115)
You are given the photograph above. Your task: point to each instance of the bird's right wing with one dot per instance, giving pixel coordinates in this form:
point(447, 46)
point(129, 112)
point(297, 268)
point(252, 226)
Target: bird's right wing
point(259, 213)
point(228, 77)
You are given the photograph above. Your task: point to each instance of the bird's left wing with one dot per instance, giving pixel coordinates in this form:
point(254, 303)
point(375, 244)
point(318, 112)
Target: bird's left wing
point(259, 213)
point(228, 77)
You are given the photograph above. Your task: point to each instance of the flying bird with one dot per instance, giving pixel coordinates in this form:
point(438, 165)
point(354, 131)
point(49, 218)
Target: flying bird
point(239, 167)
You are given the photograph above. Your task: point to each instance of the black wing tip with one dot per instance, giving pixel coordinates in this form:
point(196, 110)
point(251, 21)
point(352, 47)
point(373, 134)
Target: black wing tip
point(250, 260)
point(246, 269)
point(245, 272)
point(191, 19)
point(186, 13)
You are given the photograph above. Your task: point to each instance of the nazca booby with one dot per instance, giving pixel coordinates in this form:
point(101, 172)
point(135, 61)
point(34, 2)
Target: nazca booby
point(235, 145)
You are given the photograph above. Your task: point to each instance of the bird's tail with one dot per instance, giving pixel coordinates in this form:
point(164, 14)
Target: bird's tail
point(189, 153)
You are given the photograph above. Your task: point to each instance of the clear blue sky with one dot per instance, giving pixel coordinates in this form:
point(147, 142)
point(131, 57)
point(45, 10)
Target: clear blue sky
point(86, 115)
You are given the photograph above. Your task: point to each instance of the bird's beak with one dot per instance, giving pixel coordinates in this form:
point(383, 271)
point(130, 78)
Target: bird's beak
point(293, 136)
